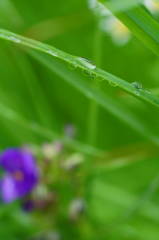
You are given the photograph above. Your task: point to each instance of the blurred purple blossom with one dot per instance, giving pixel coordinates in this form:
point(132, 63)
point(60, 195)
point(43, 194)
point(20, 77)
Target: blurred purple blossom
point(21, 174)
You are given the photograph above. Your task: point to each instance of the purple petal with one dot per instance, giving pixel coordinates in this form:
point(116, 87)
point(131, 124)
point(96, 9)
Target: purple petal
point(15, 159)
point(8, 190)
point(25, 186)
point(23, 174)
point(12, 189)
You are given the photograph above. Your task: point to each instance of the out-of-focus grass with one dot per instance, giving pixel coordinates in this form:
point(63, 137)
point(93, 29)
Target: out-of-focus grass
point(117, 130)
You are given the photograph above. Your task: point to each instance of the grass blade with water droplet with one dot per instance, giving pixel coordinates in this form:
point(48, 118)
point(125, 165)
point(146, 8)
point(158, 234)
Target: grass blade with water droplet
point(105, 100)
point(76, 62)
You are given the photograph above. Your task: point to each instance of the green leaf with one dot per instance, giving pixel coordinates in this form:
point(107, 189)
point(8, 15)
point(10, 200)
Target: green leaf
point(116, 6)
point(82, 64)
point(117, 201)
point(105, 100)
point(142, 25)
point(89, 91)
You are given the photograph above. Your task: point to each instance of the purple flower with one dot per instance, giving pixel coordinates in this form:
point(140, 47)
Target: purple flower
point(21, 174)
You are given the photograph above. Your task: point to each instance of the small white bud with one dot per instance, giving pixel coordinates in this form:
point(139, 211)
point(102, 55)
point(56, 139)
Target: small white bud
point(51, 150)
point(119, 33)
point(73, 161)
point(152, 5)
point(76, 208)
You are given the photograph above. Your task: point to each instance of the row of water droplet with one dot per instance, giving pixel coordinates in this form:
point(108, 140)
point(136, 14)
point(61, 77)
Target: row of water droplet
point(86, 63)
point(11, 38)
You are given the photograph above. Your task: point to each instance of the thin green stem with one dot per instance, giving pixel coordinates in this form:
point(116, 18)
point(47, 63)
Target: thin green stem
point(145, 198)
point(93, 107)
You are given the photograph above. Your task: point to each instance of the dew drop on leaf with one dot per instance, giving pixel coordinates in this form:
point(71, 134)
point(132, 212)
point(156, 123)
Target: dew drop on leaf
point(86, 63)
point(136, 85)
point(137, 93)
point(52, 53)
point(113, 84)
point(12, 38)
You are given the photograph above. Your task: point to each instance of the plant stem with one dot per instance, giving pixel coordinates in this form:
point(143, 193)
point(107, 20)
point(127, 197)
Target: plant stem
point(93, 107)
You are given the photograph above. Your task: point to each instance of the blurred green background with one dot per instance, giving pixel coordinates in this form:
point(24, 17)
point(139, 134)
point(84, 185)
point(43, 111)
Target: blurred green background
point(119, 186)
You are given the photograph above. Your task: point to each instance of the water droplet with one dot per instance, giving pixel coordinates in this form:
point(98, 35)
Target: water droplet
point(52, 53)
point(137, 93)
point(86, 73)
point(15, 39)
point(113, 84)
point(86, 63)
point(137, 85)
point(93, 77)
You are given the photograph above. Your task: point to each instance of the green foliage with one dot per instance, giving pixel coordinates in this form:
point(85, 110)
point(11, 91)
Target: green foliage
point(112, 100)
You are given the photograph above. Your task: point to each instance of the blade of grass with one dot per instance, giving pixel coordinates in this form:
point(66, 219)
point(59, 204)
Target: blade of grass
point(41, 31)
point(128, 155)
point(142, 25)
point(100, 7)
point(7, 10)
point(125, 201)
point(143, 199)
point(9, 72)
point(106, 101)
point(118, 5)
point(12, 92)
point(39, 100)
point(13, 116)
point(82, 64)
